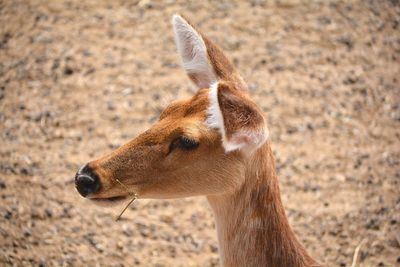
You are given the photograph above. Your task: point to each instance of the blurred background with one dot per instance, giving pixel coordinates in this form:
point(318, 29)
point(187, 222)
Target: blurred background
point(80, 78)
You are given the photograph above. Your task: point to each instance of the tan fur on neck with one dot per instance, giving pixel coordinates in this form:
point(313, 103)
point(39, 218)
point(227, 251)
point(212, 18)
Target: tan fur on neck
point(253, 229)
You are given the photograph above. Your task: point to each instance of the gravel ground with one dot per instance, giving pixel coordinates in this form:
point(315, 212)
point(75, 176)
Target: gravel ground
point(80, 78)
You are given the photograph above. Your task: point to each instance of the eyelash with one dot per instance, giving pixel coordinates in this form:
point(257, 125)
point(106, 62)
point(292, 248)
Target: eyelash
point(184, 143)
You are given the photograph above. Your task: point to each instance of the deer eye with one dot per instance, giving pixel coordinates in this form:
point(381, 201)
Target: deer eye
point(183, 142)
point(187, 143)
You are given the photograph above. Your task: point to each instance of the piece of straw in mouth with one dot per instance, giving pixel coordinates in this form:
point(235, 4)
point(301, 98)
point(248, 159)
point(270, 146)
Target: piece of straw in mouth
point(130, 202)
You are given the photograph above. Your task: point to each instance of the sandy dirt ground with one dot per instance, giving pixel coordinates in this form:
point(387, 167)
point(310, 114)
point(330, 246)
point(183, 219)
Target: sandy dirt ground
point(80, 78)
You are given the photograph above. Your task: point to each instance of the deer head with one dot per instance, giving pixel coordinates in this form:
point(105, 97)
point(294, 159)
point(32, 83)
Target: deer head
point(199, 146)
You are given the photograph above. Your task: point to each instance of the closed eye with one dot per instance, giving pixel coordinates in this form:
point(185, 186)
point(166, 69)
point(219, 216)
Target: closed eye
point(184, 143)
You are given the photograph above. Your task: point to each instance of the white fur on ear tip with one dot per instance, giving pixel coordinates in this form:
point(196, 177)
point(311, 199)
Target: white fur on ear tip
point(190, 45)
point(177, 20)
point(193, 52)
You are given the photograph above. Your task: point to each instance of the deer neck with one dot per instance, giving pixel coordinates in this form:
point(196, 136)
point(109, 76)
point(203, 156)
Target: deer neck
point(253, 229)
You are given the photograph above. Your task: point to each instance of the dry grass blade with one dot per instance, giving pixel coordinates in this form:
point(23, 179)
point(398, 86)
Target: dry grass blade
point(130, 202)
point(122, 212)
point(356, 252)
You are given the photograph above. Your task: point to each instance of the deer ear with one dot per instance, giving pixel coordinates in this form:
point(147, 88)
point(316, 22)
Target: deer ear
point(238, 119)
point(193, 51)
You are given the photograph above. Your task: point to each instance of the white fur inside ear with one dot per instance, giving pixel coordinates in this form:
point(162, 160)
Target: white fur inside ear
point(193, 52)
point(248, 140)
point(245, 140)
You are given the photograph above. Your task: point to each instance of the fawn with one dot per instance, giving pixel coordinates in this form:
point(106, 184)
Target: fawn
point(213, 144)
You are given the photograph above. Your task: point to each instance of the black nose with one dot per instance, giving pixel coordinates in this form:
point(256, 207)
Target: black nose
point(86, 181)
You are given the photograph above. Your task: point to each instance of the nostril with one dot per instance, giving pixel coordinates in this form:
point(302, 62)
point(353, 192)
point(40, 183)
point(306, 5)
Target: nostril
point(86, 181)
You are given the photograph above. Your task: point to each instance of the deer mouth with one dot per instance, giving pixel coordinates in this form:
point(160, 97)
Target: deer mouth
point(110, 201)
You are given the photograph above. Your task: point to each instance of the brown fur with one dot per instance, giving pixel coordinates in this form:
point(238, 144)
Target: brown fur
point(242, 189)
point(238, 110)
point(222, 67)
